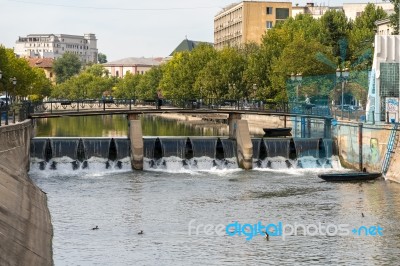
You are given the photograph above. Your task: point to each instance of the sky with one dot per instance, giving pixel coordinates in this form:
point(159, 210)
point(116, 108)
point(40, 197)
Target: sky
point(124, 28)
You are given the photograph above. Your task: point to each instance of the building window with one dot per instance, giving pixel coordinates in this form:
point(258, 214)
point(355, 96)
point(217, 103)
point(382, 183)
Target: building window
point(269, 10)
point(269, 24)
point(282, 13)
point(117, 73)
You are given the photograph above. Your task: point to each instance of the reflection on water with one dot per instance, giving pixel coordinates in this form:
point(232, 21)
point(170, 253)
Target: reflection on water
point(162, 204)
point(117, 126)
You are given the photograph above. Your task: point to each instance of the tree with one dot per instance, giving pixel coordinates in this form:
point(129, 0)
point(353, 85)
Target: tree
point(66, 66)
point(102, 58)
point(361, 36)
point(30, 81)
point(150, 82)
point(395, 17)
point(336, 27)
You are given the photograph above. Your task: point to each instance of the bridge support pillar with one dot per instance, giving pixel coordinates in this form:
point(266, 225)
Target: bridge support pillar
point(136, 139)
point(327, 128)
point(231, 123)
point(243, 144)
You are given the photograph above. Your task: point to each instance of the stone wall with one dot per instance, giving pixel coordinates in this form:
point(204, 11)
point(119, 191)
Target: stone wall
point(25, 224)
point(374, 145)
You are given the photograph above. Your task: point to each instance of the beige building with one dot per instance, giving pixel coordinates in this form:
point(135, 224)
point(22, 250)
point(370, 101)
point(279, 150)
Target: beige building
point(248, 21)
point(134, 65)
point(384, 27)
point(353, 11)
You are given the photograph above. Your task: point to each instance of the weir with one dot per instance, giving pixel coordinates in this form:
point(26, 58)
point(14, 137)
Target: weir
point(181, 152)
point(278, 153)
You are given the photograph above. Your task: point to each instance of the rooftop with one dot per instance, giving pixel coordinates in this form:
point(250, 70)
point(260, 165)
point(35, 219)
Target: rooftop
point(134, 61)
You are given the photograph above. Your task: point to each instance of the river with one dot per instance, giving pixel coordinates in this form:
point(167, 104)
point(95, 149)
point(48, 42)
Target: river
point(181, 214)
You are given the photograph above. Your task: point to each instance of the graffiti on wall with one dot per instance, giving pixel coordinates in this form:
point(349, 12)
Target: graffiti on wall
point(392, 106)
point(374, 150)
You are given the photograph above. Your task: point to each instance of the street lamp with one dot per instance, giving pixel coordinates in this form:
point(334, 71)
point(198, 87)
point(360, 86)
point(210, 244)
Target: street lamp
point(296, 79)
point(342, 75)
point(14, 82)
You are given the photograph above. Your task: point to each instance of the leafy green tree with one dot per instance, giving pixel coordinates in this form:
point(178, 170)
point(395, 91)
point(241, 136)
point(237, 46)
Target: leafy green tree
point(30, 81)
point(299, 56)
point(180, 73)
point(89, 84)
point(395, 17)
point(66, 66)
point(128, 87)
point(336, 27)
point(150, 82)
point(102, 58)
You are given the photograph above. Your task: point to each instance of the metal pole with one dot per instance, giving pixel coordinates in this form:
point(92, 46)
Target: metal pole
point(6, 107)
point(360, 144)
point(342, 96)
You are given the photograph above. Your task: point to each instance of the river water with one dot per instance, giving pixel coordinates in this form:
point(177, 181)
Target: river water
point(180, 213)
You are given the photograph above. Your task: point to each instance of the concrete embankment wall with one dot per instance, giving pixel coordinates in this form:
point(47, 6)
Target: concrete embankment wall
point(25, 225)
point(394, 166)
point(374, 145)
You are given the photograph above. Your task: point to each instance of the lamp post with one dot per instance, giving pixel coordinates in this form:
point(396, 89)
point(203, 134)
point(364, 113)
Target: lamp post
point(14, 82)
point(342, 75)
point(1, 76)
point(296, 79)
point(254, 94)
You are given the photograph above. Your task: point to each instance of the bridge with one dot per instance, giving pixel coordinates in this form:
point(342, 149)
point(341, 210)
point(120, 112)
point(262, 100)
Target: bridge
point(238, 128)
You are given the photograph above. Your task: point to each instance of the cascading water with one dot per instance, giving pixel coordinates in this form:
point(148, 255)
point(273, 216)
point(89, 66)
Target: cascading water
point(186, 154)
point(284, 153)
point(78, 154)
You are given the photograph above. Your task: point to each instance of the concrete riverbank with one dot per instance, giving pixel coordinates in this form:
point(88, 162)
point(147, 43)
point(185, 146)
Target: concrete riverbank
point(25, 225)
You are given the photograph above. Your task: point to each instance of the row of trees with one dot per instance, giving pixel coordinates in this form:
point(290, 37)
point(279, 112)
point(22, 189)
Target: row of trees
point(31, 82)
point(313, 47)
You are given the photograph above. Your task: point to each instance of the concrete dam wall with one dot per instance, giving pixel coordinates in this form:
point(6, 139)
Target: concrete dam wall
point(25, 225)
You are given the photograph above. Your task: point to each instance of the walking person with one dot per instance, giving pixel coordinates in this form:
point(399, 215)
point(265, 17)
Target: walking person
point(159, 99)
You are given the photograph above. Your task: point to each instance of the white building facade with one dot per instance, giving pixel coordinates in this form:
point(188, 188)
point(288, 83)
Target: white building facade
point(384, 85)
point(55, 45)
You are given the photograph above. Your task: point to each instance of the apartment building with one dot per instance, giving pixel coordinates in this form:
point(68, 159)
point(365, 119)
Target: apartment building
point(55, 45)
point(316, 11)
point(247, 21)
point(351, 10)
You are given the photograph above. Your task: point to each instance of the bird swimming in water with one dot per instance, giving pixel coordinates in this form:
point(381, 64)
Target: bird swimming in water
point(140, 233)
point(266, 235)
point(95, 228)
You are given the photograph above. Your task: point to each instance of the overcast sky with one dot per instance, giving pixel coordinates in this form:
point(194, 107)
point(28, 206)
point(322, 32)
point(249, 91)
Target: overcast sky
point(124, 28)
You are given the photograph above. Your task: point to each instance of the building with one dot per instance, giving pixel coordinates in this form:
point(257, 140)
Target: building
point(316, 11)
point(55, 45)
point(353, 11)
point(384, 27)
point(44, 63)
point(384, 80)
point(186, 45)
point(133, 65)
point(248, 21)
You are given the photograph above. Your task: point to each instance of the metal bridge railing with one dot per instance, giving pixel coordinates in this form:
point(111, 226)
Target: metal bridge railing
point(26, 108)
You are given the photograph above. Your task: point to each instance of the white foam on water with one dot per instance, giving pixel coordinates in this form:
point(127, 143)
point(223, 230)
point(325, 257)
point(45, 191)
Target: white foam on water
point(299, 166)
point(192, 166)
point(65, 166)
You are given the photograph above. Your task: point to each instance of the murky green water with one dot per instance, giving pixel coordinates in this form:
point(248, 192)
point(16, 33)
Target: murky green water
point(117, 125)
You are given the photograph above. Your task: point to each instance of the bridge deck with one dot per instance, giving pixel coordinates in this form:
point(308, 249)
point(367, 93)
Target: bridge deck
point(168, 110)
